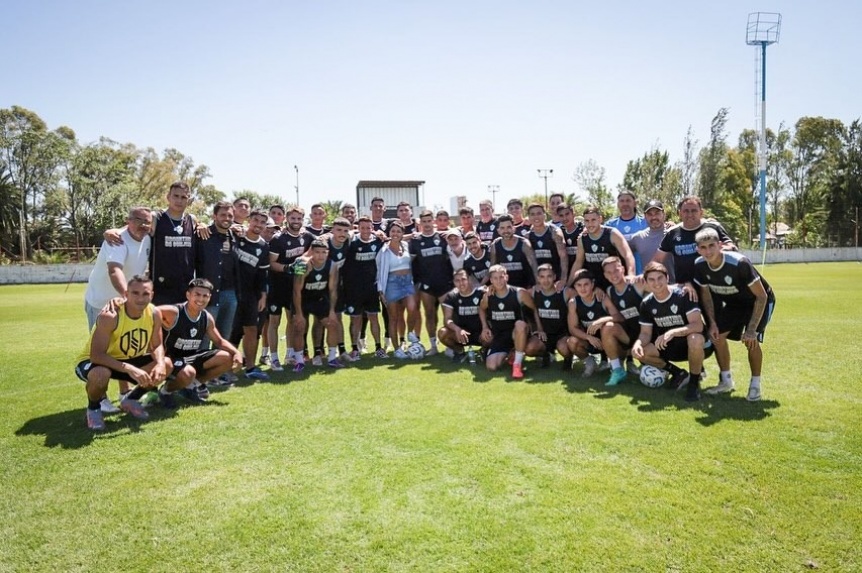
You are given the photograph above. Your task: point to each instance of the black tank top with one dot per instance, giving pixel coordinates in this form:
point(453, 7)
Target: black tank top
point(185, 337)
point(504, 311)
point(546, 249)
point(552, 311)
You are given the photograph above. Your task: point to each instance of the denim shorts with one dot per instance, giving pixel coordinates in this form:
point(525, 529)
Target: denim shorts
point(398, 287)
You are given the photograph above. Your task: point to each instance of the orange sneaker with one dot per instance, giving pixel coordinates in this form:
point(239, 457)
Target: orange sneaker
point(517, 372)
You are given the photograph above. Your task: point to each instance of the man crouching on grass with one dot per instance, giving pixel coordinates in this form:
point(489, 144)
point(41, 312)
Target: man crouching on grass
point(186, 325)
point(126, 344)
point(671, 331)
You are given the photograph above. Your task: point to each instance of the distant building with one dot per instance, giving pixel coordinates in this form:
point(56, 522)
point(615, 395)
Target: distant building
point(457, 203)
point(392, 192)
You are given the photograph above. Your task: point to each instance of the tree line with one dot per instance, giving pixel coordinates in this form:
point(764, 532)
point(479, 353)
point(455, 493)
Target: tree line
point(58, 195)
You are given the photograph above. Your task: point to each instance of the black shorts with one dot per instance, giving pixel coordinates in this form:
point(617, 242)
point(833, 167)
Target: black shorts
point(436, 288)
point(553, 339)
point(358, 302)
point(196, 361)
point(318, 308)
point(83, 368)
point(734, 319)
point(676, 350)
point(247, 313)
point(502, 342)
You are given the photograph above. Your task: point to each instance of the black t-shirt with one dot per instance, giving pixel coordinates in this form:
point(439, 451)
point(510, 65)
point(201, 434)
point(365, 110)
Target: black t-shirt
point(487, 231)
point(431, 265)
point(666, 314)
point(478, 268)
point(545, 249)
point(553, 311)
point(515, 262)
point(504, 311)
point(596, 251)
point(729, 284)
point(360, 269)
point(628, 303)
point(184, 338)
point(680, 243)
point(315, 287)
point(588, 313)
point(465, 309)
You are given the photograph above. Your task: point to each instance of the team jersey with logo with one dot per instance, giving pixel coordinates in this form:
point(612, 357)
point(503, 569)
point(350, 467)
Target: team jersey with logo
point(504, 311)
point(553, 311)
point(522, 229)
point(730, 282)
point(317, 232)
point(316, 285)
point(478, 268)
point(597, 250)
point(184, 338)
point(253, 257)
point(571, 240)
point(545, 249)
point(172, 255)
point(515, 262)
point(628, 302)
point(338, 255)
point(588, 313)
point(379, 225)
point(487, 231)
point(680, 243)
point(360, 269)
point(465, 309)
point(130, 339)
point(431, 265)
point(408, 229)
point(667, 314)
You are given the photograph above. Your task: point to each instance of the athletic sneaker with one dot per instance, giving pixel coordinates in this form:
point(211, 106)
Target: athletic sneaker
point(255, 373)
point(264, 359)
point(167, 401)
point(459, 358)
point(678, 381)
point(335, 363)
point(753, 393)
point(345, 357)
point(449, 353)
point(400, 354)
point(617, 376)
point(289, 360)
point(107, 407)
point(95, 420)
point(589, 366)
point(317, 360)
point(432, 351)
point(380, 353)
point(604, 365)
point(363, 346)
point(387, 343)
point(299, 367)
point(203, 392)
point(724, 387)
point(354, 356)
point(275, 365)
point(134, 408)
point(546, 360)
point(632, 368)
point(191, 395)
point(517, 372)
point(412, 338)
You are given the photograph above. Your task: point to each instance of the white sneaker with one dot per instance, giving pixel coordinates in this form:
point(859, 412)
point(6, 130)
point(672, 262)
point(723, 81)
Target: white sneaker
point(589, 366)
point(604, 365)
point(753, 393)
point(317, 360)
point(724, 387)
point(412, 338)
point(633, 369)
point(449, 353)
point(107, 407)
point(363, 346)
point(387, 344)
point(400, 354)
point(432, 351)
point(275, 365)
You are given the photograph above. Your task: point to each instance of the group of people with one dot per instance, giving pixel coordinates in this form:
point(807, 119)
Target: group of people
point(171, 301)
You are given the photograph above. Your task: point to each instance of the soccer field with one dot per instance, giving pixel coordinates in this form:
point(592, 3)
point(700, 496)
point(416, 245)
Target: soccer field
point(422, 466)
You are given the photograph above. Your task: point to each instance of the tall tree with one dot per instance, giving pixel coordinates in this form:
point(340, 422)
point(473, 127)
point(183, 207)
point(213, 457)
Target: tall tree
point(711, 157)
point(590, 177)
point(653, 177)
point(688, 165)
point(844, 194)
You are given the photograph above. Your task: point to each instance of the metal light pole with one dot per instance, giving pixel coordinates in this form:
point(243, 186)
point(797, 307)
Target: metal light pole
point(544, 174)
point(295, 168)
point(493, 190)
point(763, 29)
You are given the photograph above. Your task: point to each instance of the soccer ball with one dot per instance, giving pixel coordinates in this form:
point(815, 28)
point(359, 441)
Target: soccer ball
point(416, 351)
point(652, 377)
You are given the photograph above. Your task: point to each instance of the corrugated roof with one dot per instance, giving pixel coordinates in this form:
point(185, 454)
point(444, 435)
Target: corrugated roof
point(384, 184)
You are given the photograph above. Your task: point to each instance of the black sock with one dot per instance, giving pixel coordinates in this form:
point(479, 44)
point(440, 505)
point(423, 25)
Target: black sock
point(318, 351)
point(93, 405)
point(378, 345)
point(341, 349)
point(355, 347)
point(137, 393)
point(673, 369)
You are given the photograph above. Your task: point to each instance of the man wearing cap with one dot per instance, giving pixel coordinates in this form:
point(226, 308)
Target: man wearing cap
point(646, 242)
point(628, 222)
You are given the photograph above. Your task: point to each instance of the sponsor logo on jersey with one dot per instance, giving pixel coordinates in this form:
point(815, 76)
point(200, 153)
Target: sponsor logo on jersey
point(134, 342)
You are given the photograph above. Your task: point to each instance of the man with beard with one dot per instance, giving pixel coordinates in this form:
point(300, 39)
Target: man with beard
point(514, 253)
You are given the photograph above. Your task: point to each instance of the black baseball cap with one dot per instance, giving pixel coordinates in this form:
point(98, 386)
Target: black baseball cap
point(653, 204)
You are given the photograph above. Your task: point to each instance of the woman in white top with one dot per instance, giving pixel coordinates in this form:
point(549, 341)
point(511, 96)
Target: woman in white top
point(395, 284)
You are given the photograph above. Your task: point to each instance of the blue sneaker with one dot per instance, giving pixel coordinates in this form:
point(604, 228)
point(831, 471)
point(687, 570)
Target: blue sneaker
point(95, 420)
point(617, 376)
point(335, 364)
point(256, 373)
point(191, 395)
point(299, 367)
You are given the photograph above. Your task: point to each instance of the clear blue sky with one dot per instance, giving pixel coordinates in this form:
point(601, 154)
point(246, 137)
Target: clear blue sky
point(460, 94)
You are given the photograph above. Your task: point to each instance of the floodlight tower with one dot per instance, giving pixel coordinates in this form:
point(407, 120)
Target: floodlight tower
point(544, 174)
point(493, 190)
point(763, 29)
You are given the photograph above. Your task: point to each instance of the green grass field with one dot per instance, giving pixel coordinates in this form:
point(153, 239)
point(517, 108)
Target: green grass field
point(427, 467)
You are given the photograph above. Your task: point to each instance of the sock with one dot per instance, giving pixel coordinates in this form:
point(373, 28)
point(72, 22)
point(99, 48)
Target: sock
point(318, 351)
point(378, 345)
point(290, 352)
point(354, 347)
point(673, 369)
point(164, 390)
point(93, 405)
point(519, 357)
point(755, 381)
point(137, 393)
point(725, 375)
point(300, 359)
point(433, 342)
point(333, 353)
point(694, 378)
point(615, 363)
point(341, 349)
point(264, 352)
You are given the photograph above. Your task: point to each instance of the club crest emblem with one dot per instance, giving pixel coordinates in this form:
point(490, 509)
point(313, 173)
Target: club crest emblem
point(727, 279)
point(594, 247)
point(622, 304)
point(193, 331)
point(674, 308)
point(302, 242)
point(257, 252)
point(678, 238)
point(539, 243)
point(272, 308)
point(475, 300)
point(590, 315)
point(627, 228)
point(339, 256)
point(501, 306)
point(509, 257)
point(373, 248)
point(492, 227)
point(437, 242)
point(178, 229)
point(318, 276)
point(487, 264)
point(569, 242)
point(654, 311)
point(547, 303)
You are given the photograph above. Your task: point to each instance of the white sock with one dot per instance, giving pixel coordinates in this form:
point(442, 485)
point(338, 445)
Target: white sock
point(615, 363)
point(755, 381)
point(433, 342)
point(519, 357)
point(725, 376)
point(333, 352)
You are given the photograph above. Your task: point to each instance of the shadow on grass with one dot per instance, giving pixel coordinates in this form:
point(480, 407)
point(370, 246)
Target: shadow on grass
point(69, 430)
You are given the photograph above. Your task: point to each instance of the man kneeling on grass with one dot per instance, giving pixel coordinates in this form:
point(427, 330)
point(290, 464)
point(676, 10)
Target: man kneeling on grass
point(126, 344)
point(671, 330)
point(187, 325)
